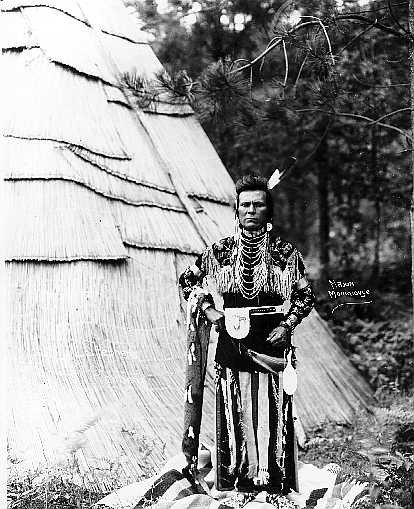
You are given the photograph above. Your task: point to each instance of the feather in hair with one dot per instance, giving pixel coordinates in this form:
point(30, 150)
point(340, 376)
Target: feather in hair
point(274, 179)
point(278, 176)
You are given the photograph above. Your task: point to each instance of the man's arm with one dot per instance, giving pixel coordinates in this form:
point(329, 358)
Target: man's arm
point(302, 300)
point(192, 278)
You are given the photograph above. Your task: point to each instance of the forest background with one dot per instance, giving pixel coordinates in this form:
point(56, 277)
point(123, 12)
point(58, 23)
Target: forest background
point(321, 91)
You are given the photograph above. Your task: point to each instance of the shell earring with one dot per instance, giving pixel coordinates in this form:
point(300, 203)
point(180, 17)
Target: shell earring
point(236, 226)
point(269, 226)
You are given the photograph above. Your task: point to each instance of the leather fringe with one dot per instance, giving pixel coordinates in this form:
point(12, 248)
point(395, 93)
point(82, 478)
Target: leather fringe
point(278, 281)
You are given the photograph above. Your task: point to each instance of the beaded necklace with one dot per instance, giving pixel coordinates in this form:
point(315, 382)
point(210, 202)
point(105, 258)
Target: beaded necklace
point(251, 265)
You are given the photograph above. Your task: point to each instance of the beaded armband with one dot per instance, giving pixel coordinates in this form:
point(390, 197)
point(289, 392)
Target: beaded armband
point(285, 325)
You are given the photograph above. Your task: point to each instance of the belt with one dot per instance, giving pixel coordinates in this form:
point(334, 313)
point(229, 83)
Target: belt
point(264, 310)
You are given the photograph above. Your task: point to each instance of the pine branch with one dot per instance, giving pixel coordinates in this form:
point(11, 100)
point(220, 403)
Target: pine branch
point(350, 16)
point(397, 22)
point(299, 74)
point(390, 114)
point(263, 59)
point(378, 9)
point(374, 23)
point(286, 63)
point(357, 117)
point(358, 36)
point(373, 85)
point(317, 144)
point(274, 45)
point(325, 33)
point(280, 11)
point(141, 89)
point(171, 89)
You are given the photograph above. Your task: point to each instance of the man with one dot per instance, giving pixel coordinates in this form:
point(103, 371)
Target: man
point(265, 294)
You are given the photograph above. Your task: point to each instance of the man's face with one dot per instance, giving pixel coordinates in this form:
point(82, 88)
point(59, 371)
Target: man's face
point(252, 209)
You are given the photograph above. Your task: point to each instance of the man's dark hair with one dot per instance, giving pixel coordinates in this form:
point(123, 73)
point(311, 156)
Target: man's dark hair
point(255, 183)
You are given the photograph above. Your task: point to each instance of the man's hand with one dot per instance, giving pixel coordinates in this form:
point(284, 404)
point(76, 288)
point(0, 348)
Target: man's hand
point(279, 337)
point(215, 317)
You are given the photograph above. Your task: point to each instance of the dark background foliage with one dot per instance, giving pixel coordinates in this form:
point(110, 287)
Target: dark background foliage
point(346, 200)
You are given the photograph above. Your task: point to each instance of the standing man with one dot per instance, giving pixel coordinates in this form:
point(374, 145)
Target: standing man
point(261, 278)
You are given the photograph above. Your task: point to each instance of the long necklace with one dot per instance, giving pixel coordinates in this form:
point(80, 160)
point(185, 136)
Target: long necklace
point(251, 265)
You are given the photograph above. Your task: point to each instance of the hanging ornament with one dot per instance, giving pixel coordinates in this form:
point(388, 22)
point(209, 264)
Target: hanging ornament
point(290, 379)
point(236, 227)
point(269, 227)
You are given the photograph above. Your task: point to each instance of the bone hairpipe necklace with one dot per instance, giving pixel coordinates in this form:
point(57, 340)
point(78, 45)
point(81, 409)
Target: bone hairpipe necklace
point(251, 267)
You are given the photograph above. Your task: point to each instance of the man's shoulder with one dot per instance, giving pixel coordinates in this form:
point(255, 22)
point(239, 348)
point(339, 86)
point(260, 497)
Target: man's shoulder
point(282, 250)
point(221, 249)
point(223, 244)
point(281, 245)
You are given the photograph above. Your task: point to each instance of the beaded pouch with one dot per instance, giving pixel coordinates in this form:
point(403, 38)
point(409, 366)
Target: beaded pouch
point(237, 322)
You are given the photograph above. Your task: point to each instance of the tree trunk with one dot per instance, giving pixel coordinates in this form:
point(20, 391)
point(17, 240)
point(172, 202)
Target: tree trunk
point(292, 201)
point(377, 202)
point(411, 23)
point(304, 203)
point(321, 159)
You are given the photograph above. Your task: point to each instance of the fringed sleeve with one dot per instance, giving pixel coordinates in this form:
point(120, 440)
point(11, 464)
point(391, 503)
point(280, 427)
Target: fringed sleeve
point(302, 298)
